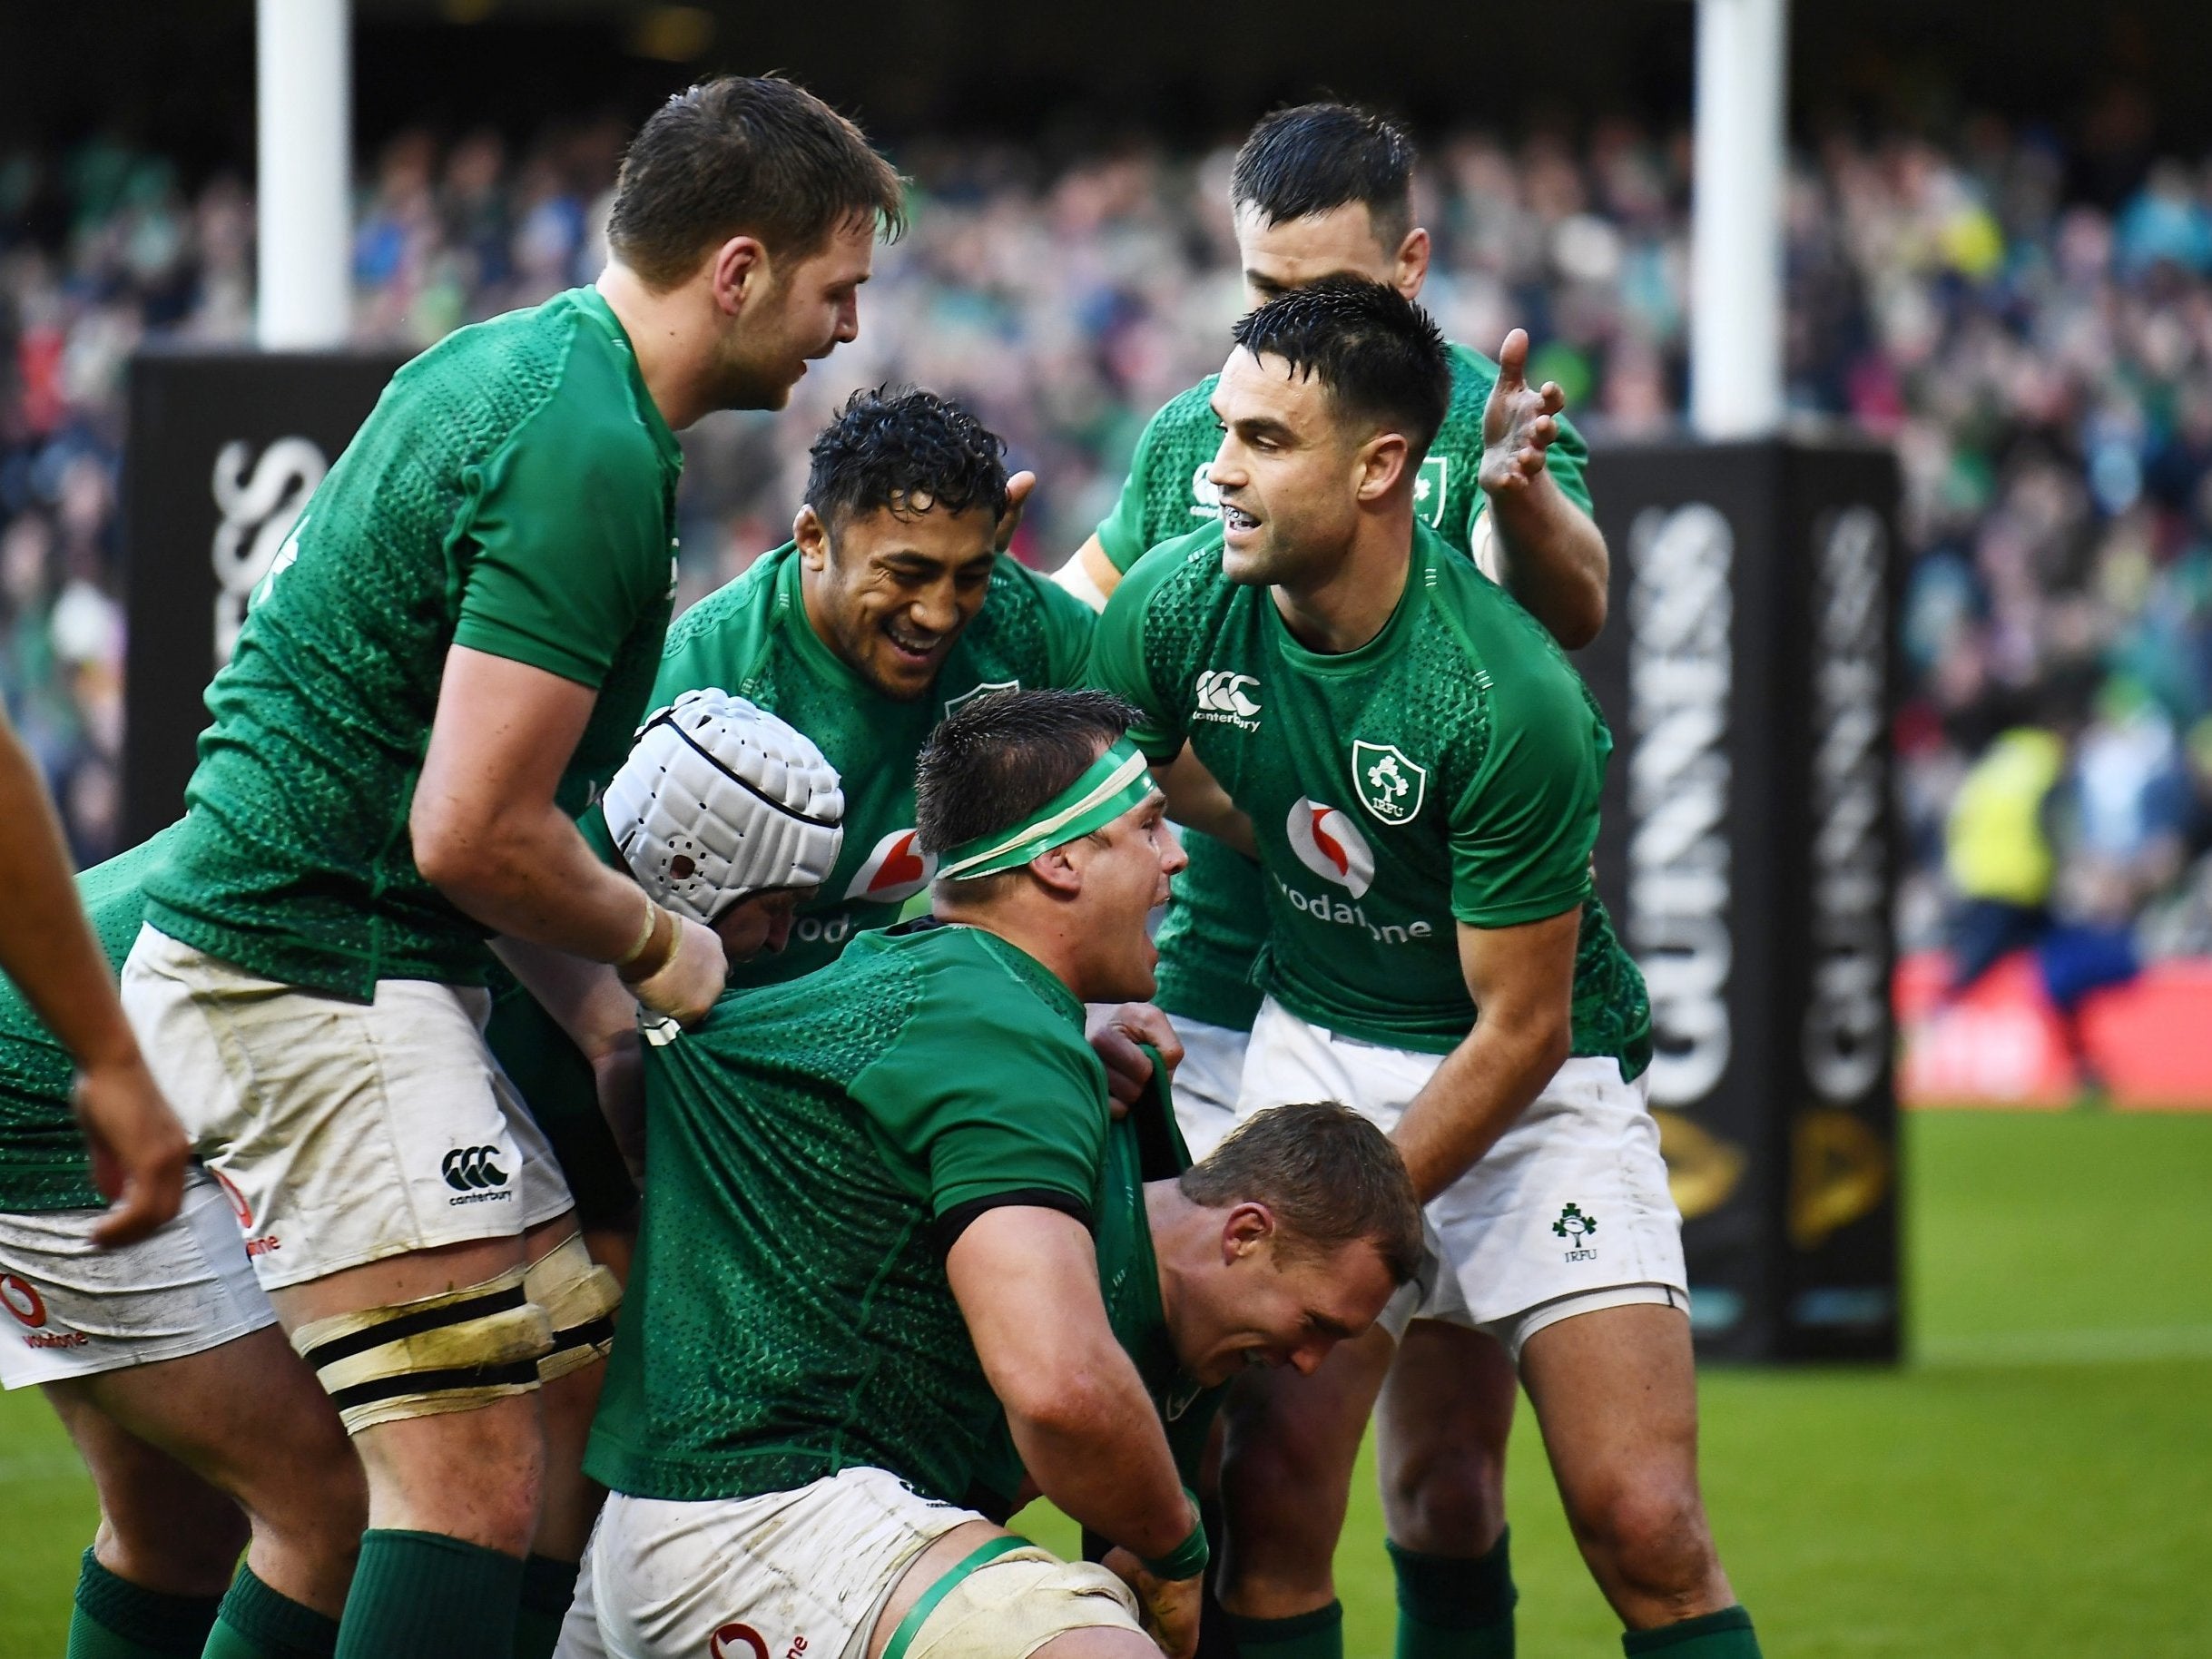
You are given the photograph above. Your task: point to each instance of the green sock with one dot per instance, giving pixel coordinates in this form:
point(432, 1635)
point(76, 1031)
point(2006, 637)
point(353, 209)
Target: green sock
point(548, 1586)
point(425, 1595)
point(1725, 1634)
point(115, 1619)
point(260, 1623)
point(1318, 1635)
point(1451, 1607)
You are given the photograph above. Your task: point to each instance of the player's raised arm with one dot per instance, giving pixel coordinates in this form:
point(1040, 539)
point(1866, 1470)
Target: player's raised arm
point(46, 949)
point(1543, 547)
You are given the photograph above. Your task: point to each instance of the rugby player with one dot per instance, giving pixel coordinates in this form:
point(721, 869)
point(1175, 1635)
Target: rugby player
point(1319, 190)
point(451, 654)
point(1418, 774)
point(890, 607)
point(867, 1243)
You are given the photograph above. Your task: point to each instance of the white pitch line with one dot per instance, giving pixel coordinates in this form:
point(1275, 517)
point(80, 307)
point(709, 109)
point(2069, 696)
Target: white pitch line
point(2094, 1347)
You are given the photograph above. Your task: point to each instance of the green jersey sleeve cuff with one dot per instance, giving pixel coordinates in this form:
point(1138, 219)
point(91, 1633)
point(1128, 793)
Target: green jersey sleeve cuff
point(497, 639)
point(1522, 911)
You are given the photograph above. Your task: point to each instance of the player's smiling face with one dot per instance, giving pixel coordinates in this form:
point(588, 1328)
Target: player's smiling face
point(807, 307)
point(1289, 471)
point(1279, 255)
point(890, 592)
point(1262, 1305)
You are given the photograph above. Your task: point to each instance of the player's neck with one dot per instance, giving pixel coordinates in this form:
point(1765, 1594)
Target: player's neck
point(1352, 604)
point(664, 337)
point(1040, 931)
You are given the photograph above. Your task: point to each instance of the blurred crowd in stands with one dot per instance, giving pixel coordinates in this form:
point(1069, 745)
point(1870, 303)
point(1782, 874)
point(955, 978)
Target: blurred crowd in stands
point(2038, 351)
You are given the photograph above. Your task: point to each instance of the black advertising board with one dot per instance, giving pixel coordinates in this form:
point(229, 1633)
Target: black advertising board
point(1747, 855)
point(224, 447)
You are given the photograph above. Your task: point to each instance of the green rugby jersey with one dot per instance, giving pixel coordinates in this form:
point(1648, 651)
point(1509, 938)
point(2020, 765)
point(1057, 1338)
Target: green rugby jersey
point(810, 1143)
point(752, 639)
point(42, 1161)
point(513, 491)
point(1446, 771)
point(1213, 932)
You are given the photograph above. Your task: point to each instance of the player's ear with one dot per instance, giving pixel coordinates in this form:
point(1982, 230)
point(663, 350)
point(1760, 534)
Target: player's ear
point(737, 271)
point(812, 537)
point(1382, 463)
point(1410, 267)
point(1059, 869)
point(1244, 1231)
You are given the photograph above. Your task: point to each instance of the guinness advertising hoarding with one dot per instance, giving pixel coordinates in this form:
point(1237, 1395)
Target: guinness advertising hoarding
point(1747, 856)
point(225, 448)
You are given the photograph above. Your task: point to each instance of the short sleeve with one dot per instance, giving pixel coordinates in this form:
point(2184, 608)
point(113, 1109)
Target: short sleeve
point(991, 1099)
point(1069, 626)
point(1523, 833)
point(1117, 665)
point(1123, 534)
point(571, 548)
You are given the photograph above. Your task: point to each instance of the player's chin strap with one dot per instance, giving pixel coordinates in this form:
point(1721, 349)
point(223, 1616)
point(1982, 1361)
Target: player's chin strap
point(579, 1297)
point(456, 1352)
point(1115, 782)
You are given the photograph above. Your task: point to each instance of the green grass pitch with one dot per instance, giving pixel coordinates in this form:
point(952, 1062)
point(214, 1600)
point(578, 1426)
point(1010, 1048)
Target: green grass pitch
point(2038, 1482)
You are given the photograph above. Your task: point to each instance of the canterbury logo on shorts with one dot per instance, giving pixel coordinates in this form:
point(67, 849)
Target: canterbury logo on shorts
point(470, 1168)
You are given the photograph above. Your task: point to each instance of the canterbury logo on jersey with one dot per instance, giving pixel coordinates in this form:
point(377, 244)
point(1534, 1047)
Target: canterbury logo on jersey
point(470, 1170)
point(1219, 695)
point(895, 871)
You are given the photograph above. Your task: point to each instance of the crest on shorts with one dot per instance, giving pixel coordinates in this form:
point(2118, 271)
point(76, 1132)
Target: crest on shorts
point(1429, 488)
point(1389, 785)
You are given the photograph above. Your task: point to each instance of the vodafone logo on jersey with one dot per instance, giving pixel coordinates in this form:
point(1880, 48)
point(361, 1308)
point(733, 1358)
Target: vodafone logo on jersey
point(895, 871)
point(1330, 846)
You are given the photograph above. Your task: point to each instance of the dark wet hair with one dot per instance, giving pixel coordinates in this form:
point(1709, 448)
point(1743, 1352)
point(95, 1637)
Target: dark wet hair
point(889, 446)
point(1379, 354)
point(996, 758)
point(1317, 156)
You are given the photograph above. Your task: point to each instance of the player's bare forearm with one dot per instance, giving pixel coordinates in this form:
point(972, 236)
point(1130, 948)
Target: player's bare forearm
point(1089, 575)
point(46, 947)
point(486, 833)
point(1474, 1097)
point(1027, 1279)
point(1196, 802)
point(1552, 557)
point(585, 999)
point(1521, 979)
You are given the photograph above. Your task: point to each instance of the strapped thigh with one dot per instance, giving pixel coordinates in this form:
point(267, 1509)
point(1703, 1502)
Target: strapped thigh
point(579, 1297)
point(456, 1352)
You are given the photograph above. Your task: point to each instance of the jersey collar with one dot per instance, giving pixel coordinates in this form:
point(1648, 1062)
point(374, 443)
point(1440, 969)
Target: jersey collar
point(594, 305)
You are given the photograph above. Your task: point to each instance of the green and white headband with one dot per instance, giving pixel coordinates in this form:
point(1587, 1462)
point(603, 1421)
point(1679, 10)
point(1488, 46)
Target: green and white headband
point(1115, 782)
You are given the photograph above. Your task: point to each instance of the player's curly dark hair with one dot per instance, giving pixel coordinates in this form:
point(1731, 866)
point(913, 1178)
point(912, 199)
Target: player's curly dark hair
point(898, 445)
point(998, 758)
point(1379, 354)
point(1317, 156)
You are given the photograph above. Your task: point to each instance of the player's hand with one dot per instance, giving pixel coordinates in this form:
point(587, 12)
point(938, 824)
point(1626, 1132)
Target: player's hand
point(1115, 1034)
point(1169, 1607)
point(138, 1149)
point(1519, 422)
point(1017, 490)
point(686, 986)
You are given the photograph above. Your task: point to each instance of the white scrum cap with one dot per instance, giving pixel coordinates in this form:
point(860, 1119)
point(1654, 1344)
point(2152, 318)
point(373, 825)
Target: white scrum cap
point(720, 798)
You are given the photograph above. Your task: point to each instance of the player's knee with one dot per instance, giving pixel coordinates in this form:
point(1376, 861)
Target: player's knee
point(190, 1553)
point(1445, 1499)
point(1652, 1536)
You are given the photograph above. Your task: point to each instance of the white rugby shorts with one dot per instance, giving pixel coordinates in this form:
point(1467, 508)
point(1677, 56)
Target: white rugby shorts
point(1567, 1213)
point(343, 1132)
point(782, 1576)
point(1207, 1082)
point(69, 1308)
